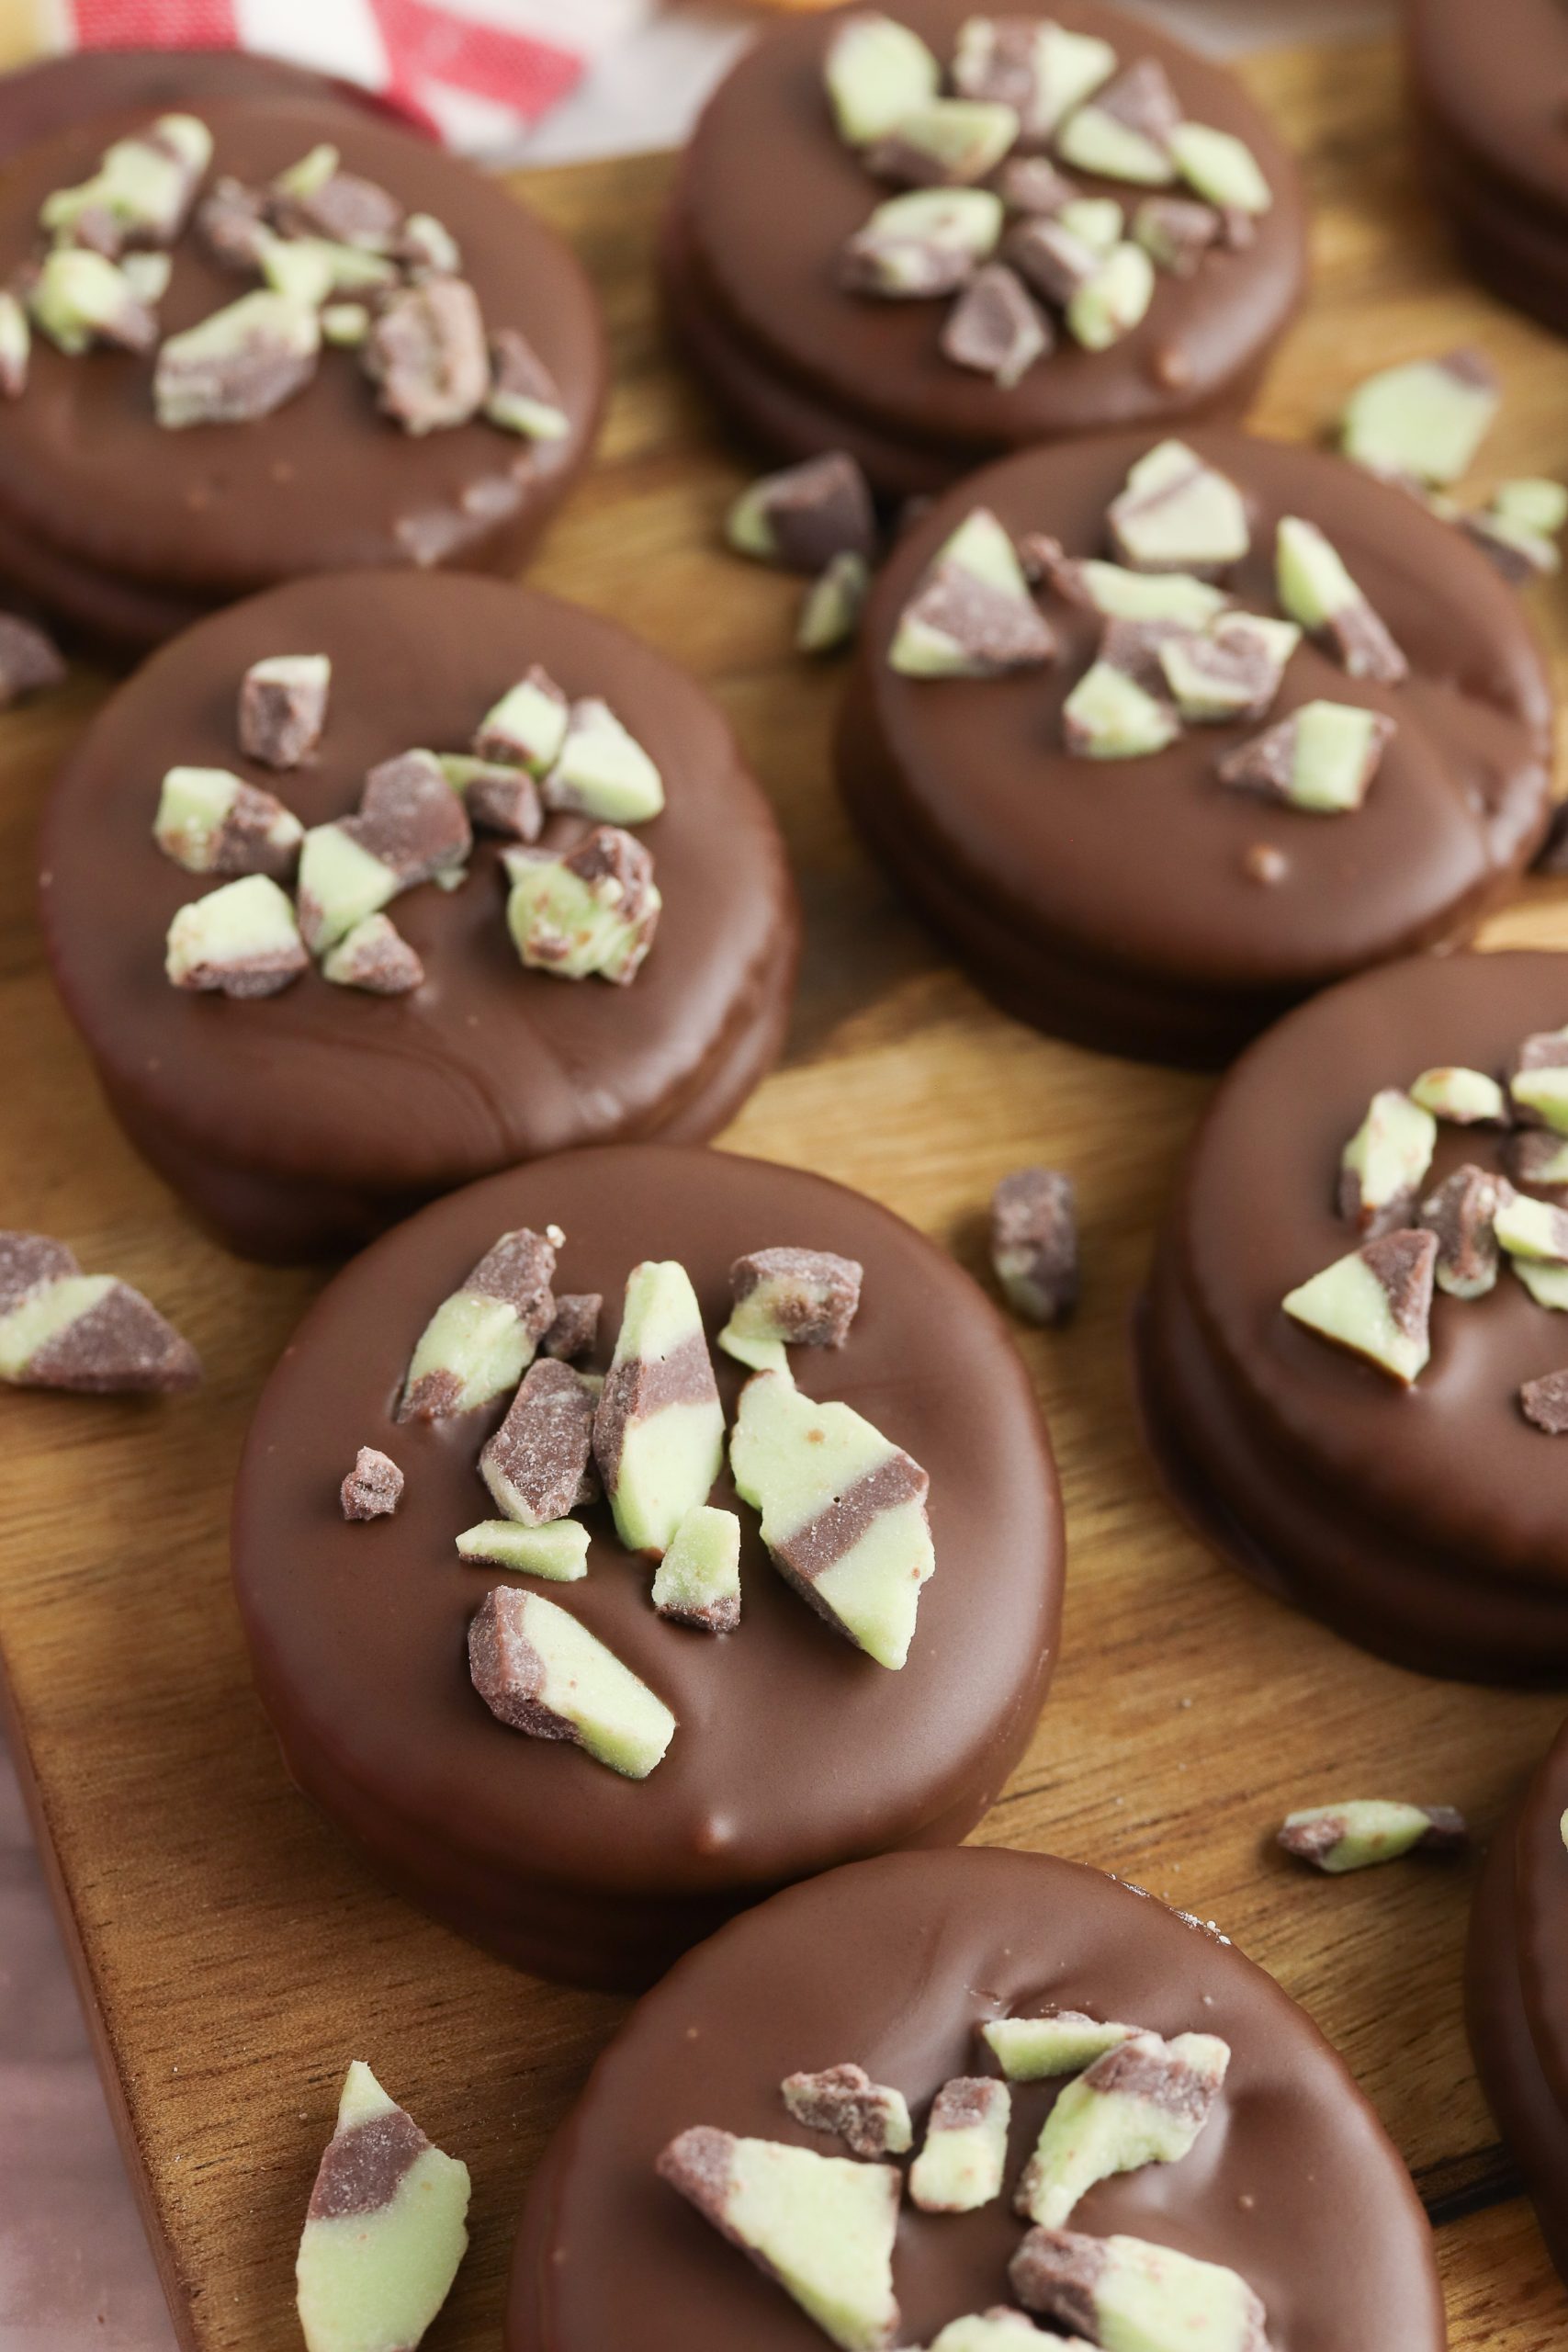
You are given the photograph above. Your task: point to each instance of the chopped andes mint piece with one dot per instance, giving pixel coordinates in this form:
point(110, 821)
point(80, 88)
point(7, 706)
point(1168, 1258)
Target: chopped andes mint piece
point(312, 270)
point(240, 364)
point(1234, 671)
point(1537, 1082)
point(1178, 514)
point(1033, 2050)
point(1376, 1302)
point(527, 727)
point(843, 1511)
point(539, 1671)
point(659, 1432)
point(822, 2227)
point(798, 1298)
point(240, 940)
point(498, 799)
point(374, 957)
point(1315, 589)
point(1224, 172)
point(602, 771)
point(481, 1339)
point(1462, 1212)
point(283, 708)
point(141, 193)
point(832, 607)
point(1533, 503)
point(876, 72)
point(426, 247)
point(1519, 554)
point(946, 143)
point(1383, 1166)
point(1098, 221)
point(89, 1333)
point(1340, 1837)
point(575, 1328)
point(871, 2119)
point(427, 353)
point(697, 1582)
point(805, 516)
point(79, 299)
point(15, 345)
point(1546, 1281)
point(410, 827)
point(1544, 1403)
point(928, 243)
point(1032, 184)
point(231, 222)
point(1535, 1236)
point(1111, 714)
point(31, 661)
point(538, 1463)
point(385, 2230)
point(1032, 64)
point(995, 329)
point(210, 822)
point(345, 324)
point(523, 397)
point(1034, 1244)
point(1323, 758)
point(590, 909)
point(1425, 420)
point(1052, 258)
point(960, 2167)
point(1465, 1097)
point(1537, 1155)
point(1143, 2103)
point(302, 180)
point(1176, 232)
point(558, 1550)
point(373, 1488)
point(1000, 2330)
point(1122, 595)
point(1114, 300)
point(971, 615)
point(340, 206)
point(1125, 131)
point(1131, 2296)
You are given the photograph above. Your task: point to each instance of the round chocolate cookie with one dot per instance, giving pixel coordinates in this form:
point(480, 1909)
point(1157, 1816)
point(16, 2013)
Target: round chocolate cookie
point(779, 312)
point(896, 1966)
point(297, 1123)
point(1515, 2001)
point(1487, 87)
point(55, 94)
point(790, 1749)
point(1420, 1508)
point(140, 486)
point(1167, 893)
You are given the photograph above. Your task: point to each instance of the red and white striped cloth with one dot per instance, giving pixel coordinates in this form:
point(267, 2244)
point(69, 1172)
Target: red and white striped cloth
point(481, 72)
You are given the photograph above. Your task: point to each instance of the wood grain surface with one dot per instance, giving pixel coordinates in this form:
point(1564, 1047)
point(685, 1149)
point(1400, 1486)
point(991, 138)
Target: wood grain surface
point(235, 1952)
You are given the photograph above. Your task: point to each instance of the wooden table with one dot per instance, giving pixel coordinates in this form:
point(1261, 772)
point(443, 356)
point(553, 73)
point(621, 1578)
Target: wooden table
point(233, 1951)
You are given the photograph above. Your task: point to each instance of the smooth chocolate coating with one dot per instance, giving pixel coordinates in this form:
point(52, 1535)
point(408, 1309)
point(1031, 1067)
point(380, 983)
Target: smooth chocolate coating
point(306, 1121)
point(1430, 1523)
point(90, 484)
point(769, 193)
point(896, 1964)
point(793, 1750)
point(1110, 901)
point(55, 94)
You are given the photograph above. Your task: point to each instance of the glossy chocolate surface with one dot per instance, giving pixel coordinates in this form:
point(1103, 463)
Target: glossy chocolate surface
point(896, 1964)
point(793, 1750)
point(54, 94)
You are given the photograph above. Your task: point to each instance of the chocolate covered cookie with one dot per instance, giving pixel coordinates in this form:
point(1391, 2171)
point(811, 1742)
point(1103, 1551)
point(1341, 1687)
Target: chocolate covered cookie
point(647, 1631)
point(1163, 736)
point(379, 882)
point(1353, 1344)
point(936, 2098)
point(257, 337)
point(930, 236)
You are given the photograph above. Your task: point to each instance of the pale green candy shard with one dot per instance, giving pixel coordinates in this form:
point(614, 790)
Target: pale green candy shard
point(1548, 1286)
point(1034, 2050)
point(15, 347)
point(372, 2274)
point(430, 245)
point(982, 550)
point(1114, 300)
point(187, 381)
point(192, 805)
point(45, 1314)
point(876, 72)
point(1221, 168)
point(593, 910)
point(527, 726)
point(959, 223)
point(310, 173)
point(1000, 2330)
point(832, 607)
point(1178, 514)
point(961, 2165)
point(241, 939)
point(981, 544)
point(959, 139)
point(698, 1581)
point(147, 275)
point(1313, 585)
point(1426, 419)
point(1376, 1302)
point(345, 324)
point(1098, 219)
point(309, 270)
point(602, 771)
point(757, 1353)
point(1145, 2297)
point(1541, 1081)
point(823, 2227)
point(541, 1672)
point(141, 183)
point(1368, 1830)
point(1063, 69)
point(1143, 2103)
point(557, 1550)
point(340, 884)
point(1323, 758)
point(482, 1336)
point(871, 2119)
point(1532, 504)
point(1527, 1228)
point(1124, 595)
point(659, 1432)
point(843, 1512)
point(80, 299)
point(1108, 715)
point(1384, 1163)
point(1095, 140)
point(1465, 1097)
point(1234, 671)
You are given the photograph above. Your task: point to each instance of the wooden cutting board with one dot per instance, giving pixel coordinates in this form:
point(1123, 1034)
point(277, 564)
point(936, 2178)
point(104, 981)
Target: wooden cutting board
point(232, 1950)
